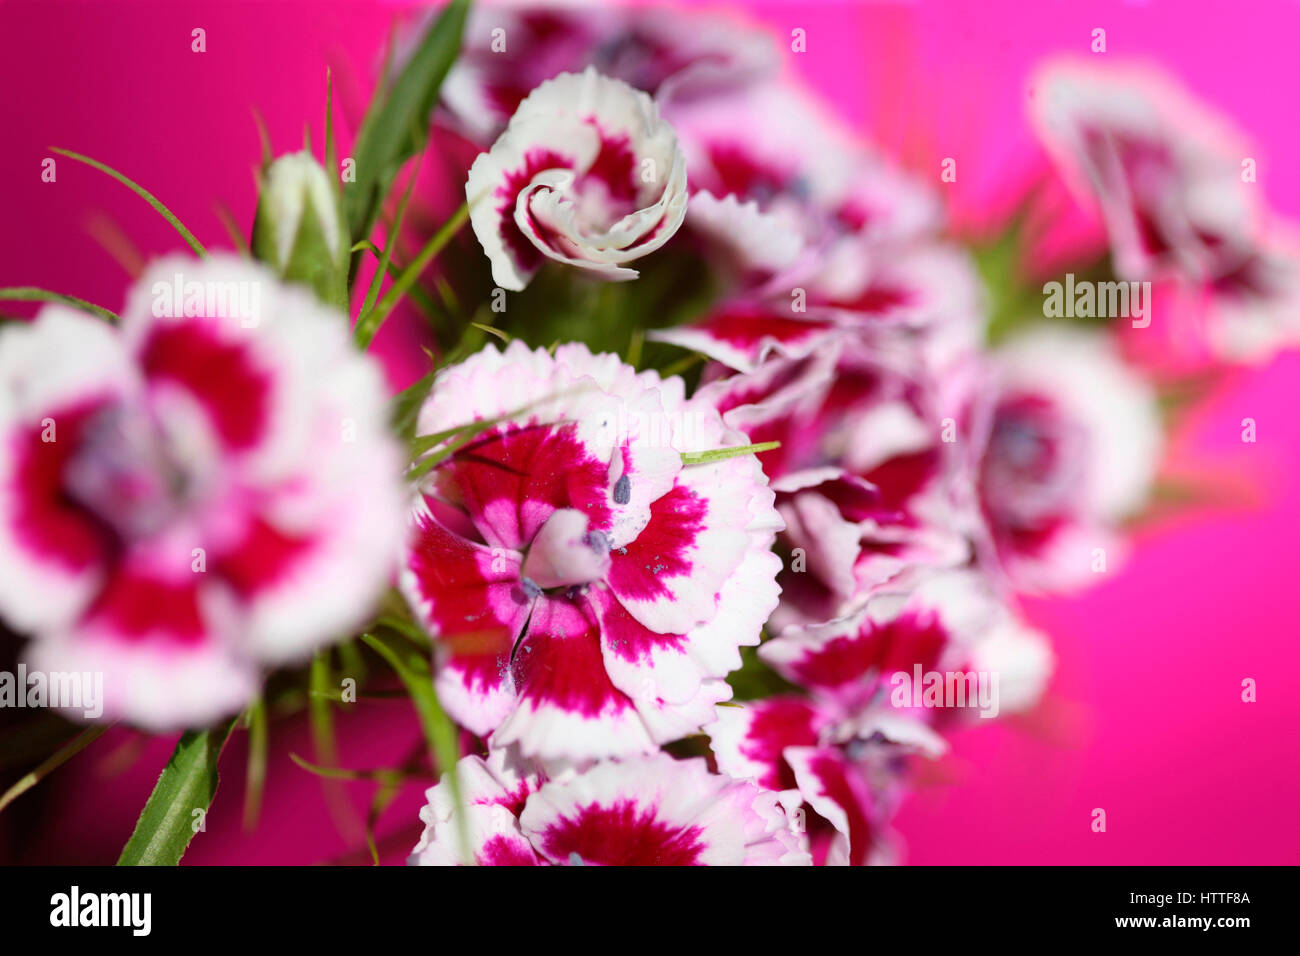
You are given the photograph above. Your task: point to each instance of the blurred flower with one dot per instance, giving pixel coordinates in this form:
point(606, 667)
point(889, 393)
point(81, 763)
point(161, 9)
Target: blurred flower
point(205, 490)
point(586, 174)
point(299, 227)
point(510, 50)
point(1165, 171)
point(588, 591)
point(840, 746)
point(1253, 310)
point(1073, 448)
point(783, 194)
point(644, 811)
point(864, 481)
point(1175, 183)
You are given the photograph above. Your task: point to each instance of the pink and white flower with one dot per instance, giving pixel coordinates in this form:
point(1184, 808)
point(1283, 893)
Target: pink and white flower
point(588, 591)
point(1254, 310)
point(1165, 171)
point(1073, 448)
point(642, 811)
point(865, 483)
point(205, 490)
point(928, 294)
point(786, 194)
point(839, 749)
point(671, 54)
point(586, 174)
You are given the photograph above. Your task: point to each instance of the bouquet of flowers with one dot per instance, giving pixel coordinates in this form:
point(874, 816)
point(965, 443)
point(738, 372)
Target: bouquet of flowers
point(705, 524)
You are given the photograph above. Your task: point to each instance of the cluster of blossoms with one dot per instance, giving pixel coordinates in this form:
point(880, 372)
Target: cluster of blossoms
point(921, 479)
point(859, 486)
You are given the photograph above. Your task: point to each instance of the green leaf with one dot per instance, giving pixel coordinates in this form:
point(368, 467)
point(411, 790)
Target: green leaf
point(143, 193)
point(187, 783)
point(722, 454)
point(32, 294)
point(397, 122)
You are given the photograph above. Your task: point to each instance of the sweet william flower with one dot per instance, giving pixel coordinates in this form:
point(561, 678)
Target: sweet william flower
point(1170, 178)
point(587, 591)
point(586, 173)
point(206, 489)
point(784, 195)
point(1074, 445)
point(837, 747)
point(642, 811)
point(1164, 170)
point(508, 51)
point(1254, 310)
point(864, 482)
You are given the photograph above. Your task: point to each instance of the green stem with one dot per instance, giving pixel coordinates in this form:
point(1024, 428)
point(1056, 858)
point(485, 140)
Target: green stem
point(143, 193)
point(369, 324)
point(439, 732)
point(52, 763)
point(255, 784)
point(29, 293)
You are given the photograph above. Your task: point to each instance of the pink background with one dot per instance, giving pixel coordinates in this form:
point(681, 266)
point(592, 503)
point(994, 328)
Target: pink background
point(1144, 719)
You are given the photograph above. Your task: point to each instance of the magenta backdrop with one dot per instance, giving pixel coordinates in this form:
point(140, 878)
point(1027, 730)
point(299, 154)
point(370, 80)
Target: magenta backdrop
point(1144, 718)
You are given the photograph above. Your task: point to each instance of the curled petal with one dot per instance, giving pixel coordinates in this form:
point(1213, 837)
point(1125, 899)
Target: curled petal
point(586, 174)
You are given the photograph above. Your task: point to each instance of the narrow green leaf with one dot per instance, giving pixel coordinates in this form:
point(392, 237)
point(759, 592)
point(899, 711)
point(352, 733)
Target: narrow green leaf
point(683, 364)
point(187, 783)
point(322, 718)
point(397, 122)
point(464, 434)
point(255, 781)
point(143, 193)
point(52, 763)
point(493, 331)
point(366, 325)
point(412, 272)
point(232, 229)
point(409, 630)
point(384, 796)
point(439, 732)
point(419, 296)
point(263, 137)
point(413, 669)
point(330, 154)
point(383, 774)
point(635, 346)
point(722, 454)
point(405, 405)
point(33, 294)
point(321, 694)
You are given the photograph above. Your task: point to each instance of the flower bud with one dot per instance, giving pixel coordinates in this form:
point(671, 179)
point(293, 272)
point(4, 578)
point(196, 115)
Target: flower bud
point(299, 228)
